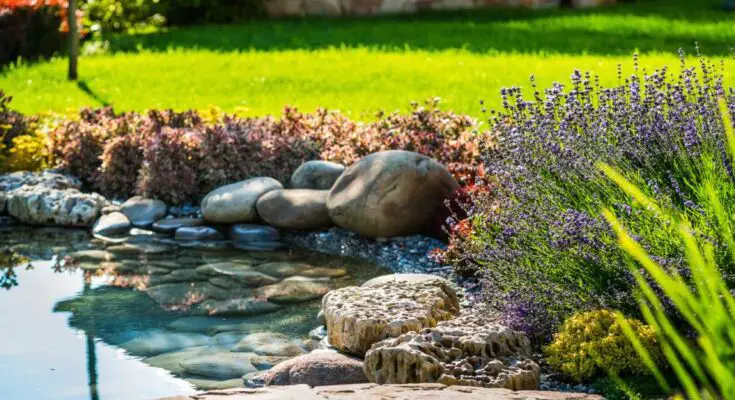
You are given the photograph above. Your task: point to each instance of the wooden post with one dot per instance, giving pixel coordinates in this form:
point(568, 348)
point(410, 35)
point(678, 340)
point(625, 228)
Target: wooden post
point(71, 14)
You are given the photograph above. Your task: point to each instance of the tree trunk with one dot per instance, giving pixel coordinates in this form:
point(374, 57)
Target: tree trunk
point(73, 39)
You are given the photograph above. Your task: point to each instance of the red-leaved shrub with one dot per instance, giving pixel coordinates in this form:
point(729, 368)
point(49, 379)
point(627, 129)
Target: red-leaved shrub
point(169, 169)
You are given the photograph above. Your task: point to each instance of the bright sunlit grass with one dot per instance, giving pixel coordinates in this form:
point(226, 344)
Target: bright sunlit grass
point(361, 66)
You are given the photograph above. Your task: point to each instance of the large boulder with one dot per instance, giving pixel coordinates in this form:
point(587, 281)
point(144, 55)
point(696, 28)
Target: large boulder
point(358, 317)
point(295, 208)
point(236, 202)
point(389, 193)
point(143, 212)
point(39, 205)
point(470, 351)
point(317, 175)
point(318, 368)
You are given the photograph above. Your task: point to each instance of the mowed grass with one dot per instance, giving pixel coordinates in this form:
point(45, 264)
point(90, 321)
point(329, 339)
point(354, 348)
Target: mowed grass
point(360, 66)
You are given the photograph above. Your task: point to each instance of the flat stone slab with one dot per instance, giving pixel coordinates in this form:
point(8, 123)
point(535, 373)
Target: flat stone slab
point(425, 391)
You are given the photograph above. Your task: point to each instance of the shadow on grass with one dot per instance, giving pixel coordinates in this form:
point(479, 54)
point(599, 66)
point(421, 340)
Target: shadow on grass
point(607, 31)
point(84, 87)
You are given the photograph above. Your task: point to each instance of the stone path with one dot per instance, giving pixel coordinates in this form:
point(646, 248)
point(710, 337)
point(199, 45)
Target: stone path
point(426, 391)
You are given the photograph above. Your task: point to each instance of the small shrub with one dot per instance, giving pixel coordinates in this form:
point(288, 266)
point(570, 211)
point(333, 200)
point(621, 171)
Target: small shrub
point(592, 343)
point(76, 147)
point(169, 166)
point(122, 158)
point(28, 153)
point(121, 15)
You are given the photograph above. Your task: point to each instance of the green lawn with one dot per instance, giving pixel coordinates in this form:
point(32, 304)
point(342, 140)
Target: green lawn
point(362, 65)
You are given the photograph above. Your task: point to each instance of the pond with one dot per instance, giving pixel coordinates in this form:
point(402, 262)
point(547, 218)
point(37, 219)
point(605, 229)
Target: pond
point(86, 319)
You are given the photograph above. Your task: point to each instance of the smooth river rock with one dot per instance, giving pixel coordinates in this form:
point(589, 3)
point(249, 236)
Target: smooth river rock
point(316, 174)
point(236, 202)
point(358, 317)
point(294, 208)
point(187, 233)
point(114, 223)
point(170, 225)
point(470, 351)
point(295, 289)
point(143, 212)
point(155, 343)
point(389, 193)
point(242, 273)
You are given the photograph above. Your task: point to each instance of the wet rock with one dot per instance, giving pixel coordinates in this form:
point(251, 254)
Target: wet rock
point(259, 246)
point(255, 237)
point(470, 351)
point(37, 205)
point(210, 325)
point(269, 344)
point(389, 193)
point(114, 223)
point(179, 295)
point(172, 361)
point(170, 225)
point(141, 248)
point(143, 212)
point(222, 365)
point(359, 317)
point(294, 209)
point(236, 202)
point(283, 269)
point(155, 343)
point(317, 175)
point(239, 306)
point(242, 273)
point(293, 290)
point(92, 256)
point(324, 272)
point(318, 368)
point(198, 233)
point(177, 275)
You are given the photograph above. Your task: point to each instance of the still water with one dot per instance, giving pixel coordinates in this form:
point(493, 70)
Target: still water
point(130, 324)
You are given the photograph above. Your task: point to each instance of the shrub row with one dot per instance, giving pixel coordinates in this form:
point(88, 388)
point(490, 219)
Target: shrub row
point(120, 15)
point(30, 29)
point(178, 158)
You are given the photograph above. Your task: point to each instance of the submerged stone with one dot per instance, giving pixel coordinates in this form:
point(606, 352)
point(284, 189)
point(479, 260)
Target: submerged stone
point(269, 344)
point(222, 365)
point(155, 343)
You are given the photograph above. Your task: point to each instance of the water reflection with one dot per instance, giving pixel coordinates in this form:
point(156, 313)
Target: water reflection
point(207, 316)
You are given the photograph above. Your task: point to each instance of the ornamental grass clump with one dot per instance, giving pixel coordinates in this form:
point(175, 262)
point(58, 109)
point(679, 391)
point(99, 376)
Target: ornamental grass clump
point(539, 243)
point(698, 346)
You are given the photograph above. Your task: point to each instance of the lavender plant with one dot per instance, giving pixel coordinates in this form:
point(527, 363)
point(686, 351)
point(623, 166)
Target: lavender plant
point(539, 243)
